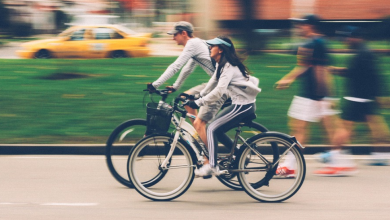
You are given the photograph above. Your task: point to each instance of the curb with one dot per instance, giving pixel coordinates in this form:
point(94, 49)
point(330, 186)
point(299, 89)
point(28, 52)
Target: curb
point(99, 149)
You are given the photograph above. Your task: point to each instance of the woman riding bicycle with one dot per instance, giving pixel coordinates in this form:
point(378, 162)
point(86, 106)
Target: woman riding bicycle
point(231, 77)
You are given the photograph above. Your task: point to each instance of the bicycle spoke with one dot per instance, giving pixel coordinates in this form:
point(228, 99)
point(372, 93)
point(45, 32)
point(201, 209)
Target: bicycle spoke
point(174, 180)
point(266, 184)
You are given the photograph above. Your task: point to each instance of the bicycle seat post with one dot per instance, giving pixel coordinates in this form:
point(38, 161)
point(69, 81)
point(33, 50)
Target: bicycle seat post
point(238, 131)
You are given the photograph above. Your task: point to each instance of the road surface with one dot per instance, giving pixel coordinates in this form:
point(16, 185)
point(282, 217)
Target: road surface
point(81, 187)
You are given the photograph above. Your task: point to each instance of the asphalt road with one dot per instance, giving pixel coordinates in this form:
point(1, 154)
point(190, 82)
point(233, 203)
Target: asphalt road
point(80, 187)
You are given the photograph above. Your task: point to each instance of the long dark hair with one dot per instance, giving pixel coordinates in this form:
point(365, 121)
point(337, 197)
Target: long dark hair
point(229, 55)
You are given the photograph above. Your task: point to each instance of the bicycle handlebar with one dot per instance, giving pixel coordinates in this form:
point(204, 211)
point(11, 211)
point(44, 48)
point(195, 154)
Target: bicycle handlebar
point(164, 94)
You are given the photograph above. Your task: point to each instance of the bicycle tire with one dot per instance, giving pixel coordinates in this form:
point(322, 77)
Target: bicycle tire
point(145, 160)
point(269, 188)
point(230, 180)
point(112, 151)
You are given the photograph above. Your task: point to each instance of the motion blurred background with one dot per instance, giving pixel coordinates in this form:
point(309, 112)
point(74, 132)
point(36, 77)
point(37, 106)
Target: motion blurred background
point(21, 18)
point(83, 100)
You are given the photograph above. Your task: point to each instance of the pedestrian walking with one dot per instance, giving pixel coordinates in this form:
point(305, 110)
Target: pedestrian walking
point(361, 103)
point(312, 104)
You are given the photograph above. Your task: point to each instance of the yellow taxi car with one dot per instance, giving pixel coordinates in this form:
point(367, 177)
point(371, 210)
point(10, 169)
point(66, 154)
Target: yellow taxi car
point(98, 41)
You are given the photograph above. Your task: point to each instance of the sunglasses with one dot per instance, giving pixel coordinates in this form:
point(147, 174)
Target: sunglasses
point(211, 46)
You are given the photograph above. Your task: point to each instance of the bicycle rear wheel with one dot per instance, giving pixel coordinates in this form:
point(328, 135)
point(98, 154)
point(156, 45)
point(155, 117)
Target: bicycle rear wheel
point(264, 185)
point(118, 147)
point(248, 130)
point(144, 164)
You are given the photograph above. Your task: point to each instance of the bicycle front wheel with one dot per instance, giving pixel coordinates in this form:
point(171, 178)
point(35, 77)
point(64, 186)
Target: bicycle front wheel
point(261, 163)
point(144, 164)
point(118, 147)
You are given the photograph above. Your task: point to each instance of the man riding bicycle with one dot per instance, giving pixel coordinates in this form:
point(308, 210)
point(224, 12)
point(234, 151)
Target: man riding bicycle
point(195, 52)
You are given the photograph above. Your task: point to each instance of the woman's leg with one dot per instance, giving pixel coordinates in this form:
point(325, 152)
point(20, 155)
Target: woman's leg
point(227, 118)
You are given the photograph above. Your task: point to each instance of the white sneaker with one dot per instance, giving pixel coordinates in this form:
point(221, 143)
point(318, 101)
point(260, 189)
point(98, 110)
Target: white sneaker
point(206, 171)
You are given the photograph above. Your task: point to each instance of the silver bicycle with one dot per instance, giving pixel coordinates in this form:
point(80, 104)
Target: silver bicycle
point(128, 133)
point(253, 161)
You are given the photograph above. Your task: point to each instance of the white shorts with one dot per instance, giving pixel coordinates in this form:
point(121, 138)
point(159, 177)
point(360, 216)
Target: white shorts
point(306, 109)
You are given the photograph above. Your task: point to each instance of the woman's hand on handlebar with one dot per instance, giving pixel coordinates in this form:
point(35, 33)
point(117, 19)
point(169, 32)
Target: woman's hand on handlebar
point(171, 89)
point(191, 97)
point(193, 105)
point(186, 100)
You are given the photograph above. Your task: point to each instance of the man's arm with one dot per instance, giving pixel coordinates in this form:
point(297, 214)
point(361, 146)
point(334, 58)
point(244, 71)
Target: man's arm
point(185, 72)
point(210, 85)
point(220, 89)
point(285, 82)
point(175, 66)
point(340, 71)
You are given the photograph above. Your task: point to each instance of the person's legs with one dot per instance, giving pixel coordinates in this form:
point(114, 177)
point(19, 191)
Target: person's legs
point(229, 117)
point(193, 91)
point(299, 129)
point(206, 114)
point(200, 127)
point(301, 112)
point(379, 130)
point(286, 168)
point(380, 135)
point(339, 162)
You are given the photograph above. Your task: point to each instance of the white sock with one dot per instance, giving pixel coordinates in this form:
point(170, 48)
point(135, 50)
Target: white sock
point(289, 161)
point(340, 159)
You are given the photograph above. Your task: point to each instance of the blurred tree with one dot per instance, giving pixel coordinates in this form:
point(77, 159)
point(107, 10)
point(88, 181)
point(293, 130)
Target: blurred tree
point(386, 31)
point(4, 16)
point(249, 36)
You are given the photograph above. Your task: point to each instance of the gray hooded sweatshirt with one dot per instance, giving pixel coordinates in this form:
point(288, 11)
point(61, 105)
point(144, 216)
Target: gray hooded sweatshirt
point(240, 89)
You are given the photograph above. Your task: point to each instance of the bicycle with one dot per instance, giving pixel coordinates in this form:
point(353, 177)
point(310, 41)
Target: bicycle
point(126, 135)
point(254, 162)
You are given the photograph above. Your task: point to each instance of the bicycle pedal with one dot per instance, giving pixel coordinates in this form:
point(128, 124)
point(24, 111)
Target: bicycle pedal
point(207, 177)
point(222, 172)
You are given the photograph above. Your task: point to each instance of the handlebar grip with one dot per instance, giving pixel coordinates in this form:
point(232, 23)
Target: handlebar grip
point(177, 99)
point(184, 94)
point(188, 96)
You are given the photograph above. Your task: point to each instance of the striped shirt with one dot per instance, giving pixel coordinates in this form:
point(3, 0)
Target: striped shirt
point(195, 53)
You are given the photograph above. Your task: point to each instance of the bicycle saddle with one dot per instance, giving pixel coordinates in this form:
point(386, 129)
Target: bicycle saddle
point(248, 118)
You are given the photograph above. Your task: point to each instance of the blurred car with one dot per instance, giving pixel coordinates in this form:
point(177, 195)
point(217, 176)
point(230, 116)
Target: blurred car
point(97, 41)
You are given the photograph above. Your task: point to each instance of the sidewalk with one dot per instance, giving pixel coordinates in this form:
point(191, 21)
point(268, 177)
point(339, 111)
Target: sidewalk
point(99, 149)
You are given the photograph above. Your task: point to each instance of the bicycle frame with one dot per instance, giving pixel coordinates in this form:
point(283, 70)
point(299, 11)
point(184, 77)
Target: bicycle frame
point(186, 131)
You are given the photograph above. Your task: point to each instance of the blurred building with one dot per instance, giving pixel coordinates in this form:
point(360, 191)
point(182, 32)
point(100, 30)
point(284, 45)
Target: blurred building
point(207, 15)
point(276, 12)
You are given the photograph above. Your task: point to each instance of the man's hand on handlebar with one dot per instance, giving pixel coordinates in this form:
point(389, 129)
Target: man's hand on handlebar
point(150, 88)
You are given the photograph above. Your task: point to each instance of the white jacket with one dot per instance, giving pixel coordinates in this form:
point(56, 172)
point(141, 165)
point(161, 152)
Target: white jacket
point(240, 89)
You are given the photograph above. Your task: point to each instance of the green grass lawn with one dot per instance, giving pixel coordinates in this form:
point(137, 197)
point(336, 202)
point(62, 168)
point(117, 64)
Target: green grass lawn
point(37, 107)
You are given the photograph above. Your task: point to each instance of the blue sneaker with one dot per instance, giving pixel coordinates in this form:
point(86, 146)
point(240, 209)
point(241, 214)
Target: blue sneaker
point(323, 157)
point(378, 162)
point(379, 159)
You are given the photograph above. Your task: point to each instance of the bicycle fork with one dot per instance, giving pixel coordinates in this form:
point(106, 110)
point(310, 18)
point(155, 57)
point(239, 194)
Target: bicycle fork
point(173, 144)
